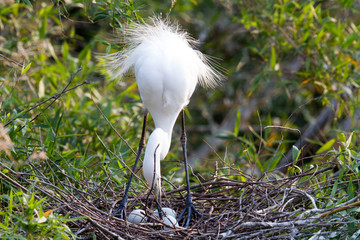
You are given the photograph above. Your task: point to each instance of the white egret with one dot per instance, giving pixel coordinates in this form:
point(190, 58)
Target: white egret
point(167, 69)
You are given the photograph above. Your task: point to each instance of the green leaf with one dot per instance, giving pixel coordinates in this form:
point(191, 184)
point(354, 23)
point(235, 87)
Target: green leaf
point(108, 49)
point(42, 30)
point(351, 190)
point(128, 91)
point(84, 52)
point(24, 130)
point(2, 226)
point(319, 36)
point(341, 174)
point(341, 109)
point(100, 16)
point(272, 58)
point(348, 141)
point(27, 2)
point(295, 153)
point(346, 3)
point(273, 162)
point(350, 40)
point(25, 69)
point(237, 124)
point(326, 146)
point(341, 137)
point(333, 190)
point(65, 50)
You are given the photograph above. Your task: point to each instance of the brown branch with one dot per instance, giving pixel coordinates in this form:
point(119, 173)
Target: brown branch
point(355, 204)
point(10, 60)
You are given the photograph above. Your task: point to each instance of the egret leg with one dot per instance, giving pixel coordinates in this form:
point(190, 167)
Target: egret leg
point(158, 205)
point(189, 206)
point(120, 211)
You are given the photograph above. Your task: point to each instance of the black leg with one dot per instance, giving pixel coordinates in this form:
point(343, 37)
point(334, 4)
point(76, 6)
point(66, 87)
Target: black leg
point(189, 206)
point(158, 205)
point(120, 211)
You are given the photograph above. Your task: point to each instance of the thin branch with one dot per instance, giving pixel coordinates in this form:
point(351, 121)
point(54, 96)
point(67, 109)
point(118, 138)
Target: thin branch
point(59, 14)
point(113, 128)
point(10, 60)
point(54, 98)
point(288, 119)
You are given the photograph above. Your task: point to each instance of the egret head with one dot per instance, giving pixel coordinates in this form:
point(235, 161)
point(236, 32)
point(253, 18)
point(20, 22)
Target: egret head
point(157, 31)
point(156, 149)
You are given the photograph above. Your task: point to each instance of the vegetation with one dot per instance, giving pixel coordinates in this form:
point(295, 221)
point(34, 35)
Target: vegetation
point(286, 118)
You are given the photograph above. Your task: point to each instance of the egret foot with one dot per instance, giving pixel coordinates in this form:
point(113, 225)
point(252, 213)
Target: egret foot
point(190, 209)
point(120, 210)
point(189, 206)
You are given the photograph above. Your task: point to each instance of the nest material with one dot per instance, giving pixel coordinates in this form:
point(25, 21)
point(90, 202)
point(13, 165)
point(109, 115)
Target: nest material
point(254, 209)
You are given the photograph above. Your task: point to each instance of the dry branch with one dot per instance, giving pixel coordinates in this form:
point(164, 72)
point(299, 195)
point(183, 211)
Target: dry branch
point(262, 209)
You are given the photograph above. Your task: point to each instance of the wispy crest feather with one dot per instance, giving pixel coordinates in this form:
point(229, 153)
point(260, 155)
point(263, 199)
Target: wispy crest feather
point(119, 63)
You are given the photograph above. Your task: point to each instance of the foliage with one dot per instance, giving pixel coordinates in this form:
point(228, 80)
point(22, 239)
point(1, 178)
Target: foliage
point(327, 45)
point(286, 61)
point(22, 217)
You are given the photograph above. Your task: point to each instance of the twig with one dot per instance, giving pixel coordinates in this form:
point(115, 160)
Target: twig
point(59, 13)
point(282, 128)
point(275, 224)
point(105, 229)
point(10, 60)
point(266, 209)
point(261, 134)
point(288, 119)
point(308, 195)
point(246, 107)
point(54, 97)
point(340, 209)
point(12, 182)
point(107, 120)
point(312, 131)
point(122, 161)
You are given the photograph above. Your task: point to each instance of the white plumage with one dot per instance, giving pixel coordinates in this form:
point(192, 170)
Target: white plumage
point(167, 69)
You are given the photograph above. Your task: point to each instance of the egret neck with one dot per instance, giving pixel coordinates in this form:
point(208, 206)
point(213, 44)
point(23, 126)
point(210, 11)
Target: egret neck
point(156, 149)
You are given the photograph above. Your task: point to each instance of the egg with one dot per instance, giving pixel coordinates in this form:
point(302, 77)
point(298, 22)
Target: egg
point(167, 212)
point(137, 216)
point(170, 220)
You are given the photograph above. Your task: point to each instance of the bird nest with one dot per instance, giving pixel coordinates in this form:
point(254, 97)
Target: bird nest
point(265, 208)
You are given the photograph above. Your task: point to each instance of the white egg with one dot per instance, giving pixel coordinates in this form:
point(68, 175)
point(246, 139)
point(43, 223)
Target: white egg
point(170, 220)
point(167, 211)
point(137, 216)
